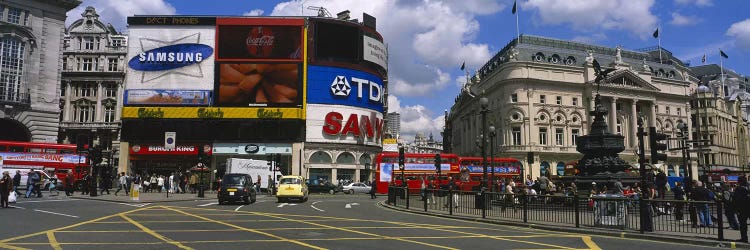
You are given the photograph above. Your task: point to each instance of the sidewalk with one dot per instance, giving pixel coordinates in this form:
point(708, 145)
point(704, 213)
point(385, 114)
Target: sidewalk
point(683, 238)
point(146, 197)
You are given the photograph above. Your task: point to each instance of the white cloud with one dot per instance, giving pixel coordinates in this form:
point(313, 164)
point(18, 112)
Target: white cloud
point(696, 2)
point(634, 16)
point(116, 12)
point(741, 33)
point(680, 20)
point(416, 119)
point(255, 12)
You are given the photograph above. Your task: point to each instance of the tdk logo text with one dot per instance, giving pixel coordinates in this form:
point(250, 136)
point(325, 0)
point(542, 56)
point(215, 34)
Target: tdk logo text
point(341, 87)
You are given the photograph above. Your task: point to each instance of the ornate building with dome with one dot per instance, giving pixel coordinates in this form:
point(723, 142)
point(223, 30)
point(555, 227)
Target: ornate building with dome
point(541, 90)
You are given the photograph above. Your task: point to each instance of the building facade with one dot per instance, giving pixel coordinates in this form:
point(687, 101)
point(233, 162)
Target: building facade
point(93, 66)
point(308, 89)
point(31, 35)
point(393, 124)
point(541, 90)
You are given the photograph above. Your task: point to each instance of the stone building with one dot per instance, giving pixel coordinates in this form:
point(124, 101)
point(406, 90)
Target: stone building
point(541, 90)
point(31, 34)
point(91, 87)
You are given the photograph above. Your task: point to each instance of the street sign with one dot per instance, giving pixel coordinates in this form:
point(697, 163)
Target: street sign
point(169, 140)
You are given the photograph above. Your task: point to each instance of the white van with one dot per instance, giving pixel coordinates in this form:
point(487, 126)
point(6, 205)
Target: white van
point(45, 174)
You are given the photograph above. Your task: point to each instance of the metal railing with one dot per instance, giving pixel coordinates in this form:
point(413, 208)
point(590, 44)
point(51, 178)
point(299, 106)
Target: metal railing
point(667, 217)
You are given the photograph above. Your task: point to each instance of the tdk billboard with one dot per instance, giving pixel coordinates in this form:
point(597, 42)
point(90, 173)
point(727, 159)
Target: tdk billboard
point(340, 86)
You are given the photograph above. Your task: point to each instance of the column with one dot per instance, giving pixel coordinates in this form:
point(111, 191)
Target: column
point(652, 117)
point(613, 116)
point(99, 106)
point(120, 100)
point(634, 123)
point(67, 110)
point(334, 174)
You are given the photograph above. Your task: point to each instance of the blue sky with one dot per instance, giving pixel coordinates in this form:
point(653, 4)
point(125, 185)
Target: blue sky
point(429, 39)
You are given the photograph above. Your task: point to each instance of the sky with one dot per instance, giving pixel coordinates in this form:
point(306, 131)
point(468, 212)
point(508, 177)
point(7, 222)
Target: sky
point(428, 40)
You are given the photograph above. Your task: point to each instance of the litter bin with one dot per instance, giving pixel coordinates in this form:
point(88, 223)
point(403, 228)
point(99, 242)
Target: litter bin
point(391, 195)
point(479, 200)
point(610, 210)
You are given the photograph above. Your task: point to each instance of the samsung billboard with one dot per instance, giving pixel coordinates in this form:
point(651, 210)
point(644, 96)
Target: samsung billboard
point(340, 86)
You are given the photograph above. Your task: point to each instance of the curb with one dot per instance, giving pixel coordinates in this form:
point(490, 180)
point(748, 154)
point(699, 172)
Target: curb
point(604, 232)
point(141, 201)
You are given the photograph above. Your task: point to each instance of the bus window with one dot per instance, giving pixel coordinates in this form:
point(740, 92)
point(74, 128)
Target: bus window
point(34, 150)
point(15, 149)
point(66, 151)
point(50, 151)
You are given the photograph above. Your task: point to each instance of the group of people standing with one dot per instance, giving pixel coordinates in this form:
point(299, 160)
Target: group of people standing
point(174, 183)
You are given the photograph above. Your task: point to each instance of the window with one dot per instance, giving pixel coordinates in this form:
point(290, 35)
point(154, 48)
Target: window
point(574, 134)
point(109, 113)
point(87, 64)
point(575, 101)
point(320, 157)
point(559, 136)
point(112, 64)
point(513, 97)
point(84, 112)
point(86, 90)
point(116, 43)
point(14, 15)
point(11, 63)
point(656, 108)
point(516, 132)
point(618, 107)
point(88, 43)
point(679, 111)
point(62, 90)
point(111, 90)
point(345, 158)
point(542, 98)
point(667, 110)
point(543, 136)
point(559, 100)
point(619, 127)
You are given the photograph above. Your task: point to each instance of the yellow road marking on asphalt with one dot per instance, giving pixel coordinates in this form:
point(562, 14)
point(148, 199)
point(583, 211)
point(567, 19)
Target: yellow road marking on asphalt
point(247, 229)
point(590, 243)
point(93, 243)
point(53, 241)
point(155, 234)
point(66, 227)
point(360, 232)
point(100, 231)
point(7, 246)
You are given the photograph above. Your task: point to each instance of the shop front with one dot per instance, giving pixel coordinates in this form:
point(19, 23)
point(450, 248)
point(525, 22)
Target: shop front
point(222, 152)
point(151, 159)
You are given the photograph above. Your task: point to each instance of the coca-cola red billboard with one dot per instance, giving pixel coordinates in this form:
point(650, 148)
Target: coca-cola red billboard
point(260, 39)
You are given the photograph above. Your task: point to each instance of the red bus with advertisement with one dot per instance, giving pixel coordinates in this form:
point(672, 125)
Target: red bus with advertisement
point(387, 169)
point(471, 171)
point(63, 158)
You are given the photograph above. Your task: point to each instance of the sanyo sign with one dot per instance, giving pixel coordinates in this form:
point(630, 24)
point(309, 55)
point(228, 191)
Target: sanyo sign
point(331, 85)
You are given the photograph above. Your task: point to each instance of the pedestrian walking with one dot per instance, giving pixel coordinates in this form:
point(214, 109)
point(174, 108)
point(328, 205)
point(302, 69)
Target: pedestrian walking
point(194, 180)
point(679, 196)
point(729, 209)
point(17, 182)
point(122, 183)
point(160, 183)
point(106, 183)
point(68, 183)
point(701, 193)
point(86, 182)
point(373, 188)
point(33, 178)
point(741, 200)
point(6, 186)
point(619, 189)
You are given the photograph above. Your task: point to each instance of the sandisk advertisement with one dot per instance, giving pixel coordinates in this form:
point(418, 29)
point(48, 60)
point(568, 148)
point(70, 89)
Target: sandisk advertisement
point(341, 124)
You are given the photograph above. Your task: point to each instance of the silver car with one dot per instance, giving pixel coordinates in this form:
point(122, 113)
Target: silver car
point(356, 187)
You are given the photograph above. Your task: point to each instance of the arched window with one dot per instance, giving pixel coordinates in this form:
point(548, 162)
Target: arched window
point(320, 157)
point(544, 168)
point(365, 160)
point(345, 158)
point(560, 168)
point(12, 85)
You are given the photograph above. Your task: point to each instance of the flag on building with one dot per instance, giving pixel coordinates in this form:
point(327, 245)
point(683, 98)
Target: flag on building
point(463, 65)
point(656, 33)
point(723, 54)
point(514, 7)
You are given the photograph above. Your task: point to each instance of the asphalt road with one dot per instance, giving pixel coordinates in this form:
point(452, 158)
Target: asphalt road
point(324, 222)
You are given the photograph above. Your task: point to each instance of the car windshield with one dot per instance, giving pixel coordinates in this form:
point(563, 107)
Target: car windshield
point(233, 180)
point(290, 181)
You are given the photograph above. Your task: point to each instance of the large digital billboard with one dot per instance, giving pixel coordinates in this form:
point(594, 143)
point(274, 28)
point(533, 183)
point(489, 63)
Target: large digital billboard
point(340, 86)
point(258, 84)
point(170, 64)
point(274, 39)
point(337, 124)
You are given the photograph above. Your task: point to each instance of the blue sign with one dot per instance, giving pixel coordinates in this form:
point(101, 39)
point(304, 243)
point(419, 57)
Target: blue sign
point(167, 97)
point(340, 86)
point(498, 170)
point(171, 57)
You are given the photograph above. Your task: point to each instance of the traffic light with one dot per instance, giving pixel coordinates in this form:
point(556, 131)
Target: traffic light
point(269, 161)
point(655, 142)
point(277, 159)
point(438, 161)
point(401, 157)
point(95, 155)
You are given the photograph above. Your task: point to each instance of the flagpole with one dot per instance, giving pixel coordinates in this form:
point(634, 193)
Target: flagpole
point(659, 38)
point(721, 63)
point(518, 34)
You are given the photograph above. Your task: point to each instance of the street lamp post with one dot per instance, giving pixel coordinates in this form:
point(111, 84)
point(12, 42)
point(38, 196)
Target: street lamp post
point(484, 103)
point(685, 149)
point(492, 158)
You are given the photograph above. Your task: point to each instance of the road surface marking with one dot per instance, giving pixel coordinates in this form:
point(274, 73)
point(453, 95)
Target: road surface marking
point(238, 208)
point(43, 211)
point(17, 207)
point(590, 243)
point(53, 241)
point(19, 202)
point(286, 204)
point(245, 229)
point(152, 233)
point(209, 204)
point(312, 206)
point(349, 205)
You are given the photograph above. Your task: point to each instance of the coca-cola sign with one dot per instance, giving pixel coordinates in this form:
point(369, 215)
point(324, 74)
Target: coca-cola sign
point(259, 38)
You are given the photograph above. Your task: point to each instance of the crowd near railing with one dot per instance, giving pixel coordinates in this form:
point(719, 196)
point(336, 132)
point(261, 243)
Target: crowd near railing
point(615, 212)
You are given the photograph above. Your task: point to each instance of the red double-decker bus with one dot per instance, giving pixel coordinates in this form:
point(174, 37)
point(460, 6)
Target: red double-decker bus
point(387, 170)
point(471, 171)
point(62, 157)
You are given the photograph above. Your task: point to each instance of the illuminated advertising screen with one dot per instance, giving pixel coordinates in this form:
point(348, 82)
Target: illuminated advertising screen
point(340, 86)
point(170, 65)
point(260, 39)
point(258, 84)
point(339, 124)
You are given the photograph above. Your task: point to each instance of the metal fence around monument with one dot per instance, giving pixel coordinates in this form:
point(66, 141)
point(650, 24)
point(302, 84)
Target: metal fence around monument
point(605, 212)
